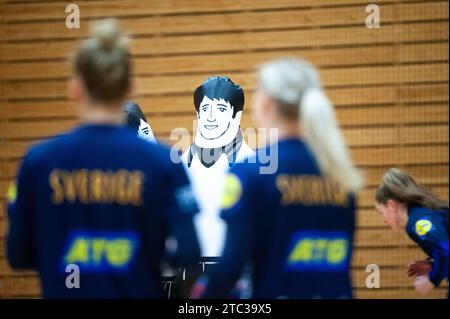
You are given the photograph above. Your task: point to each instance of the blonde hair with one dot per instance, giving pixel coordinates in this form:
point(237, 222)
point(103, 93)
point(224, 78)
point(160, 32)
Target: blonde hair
point(103, 62)
point(402, 187)
point(295, 86)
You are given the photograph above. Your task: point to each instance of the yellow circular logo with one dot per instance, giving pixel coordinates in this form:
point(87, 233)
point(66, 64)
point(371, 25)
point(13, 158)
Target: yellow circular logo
point(232, 192)
point(423, 226)
point(12, 193)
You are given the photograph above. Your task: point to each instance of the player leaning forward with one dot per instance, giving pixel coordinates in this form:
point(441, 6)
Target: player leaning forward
point(405, 204)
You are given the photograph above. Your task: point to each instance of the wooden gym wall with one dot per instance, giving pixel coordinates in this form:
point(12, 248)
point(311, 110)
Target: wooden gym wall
point(389, 86)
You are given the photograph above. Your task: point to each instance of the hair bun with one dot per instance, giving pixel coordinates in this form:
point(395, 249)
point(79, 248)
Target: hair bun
point(108, 34)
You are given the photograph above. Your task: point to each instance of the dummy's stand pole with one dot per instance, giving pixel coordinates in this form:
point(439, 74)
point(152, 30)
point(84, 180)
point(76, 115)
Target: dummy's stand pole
point(179, 285)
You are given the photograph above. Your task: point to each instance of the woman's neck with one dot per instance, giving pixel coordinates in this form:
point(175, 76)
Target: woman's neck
point(288, 129)
point(403, 215)
point(102, 114)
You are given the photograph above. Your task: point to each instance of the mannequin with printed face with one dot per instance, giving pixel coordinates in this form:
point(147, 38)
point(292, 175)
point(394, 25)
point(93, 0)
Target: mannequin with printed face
point(218, 144)
point(137, 121)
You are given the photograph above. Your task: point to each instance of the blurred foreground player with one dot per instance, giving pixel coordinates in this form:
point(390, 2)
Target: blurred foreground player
point(295, 226)
point(407, 205)
point(92, 199)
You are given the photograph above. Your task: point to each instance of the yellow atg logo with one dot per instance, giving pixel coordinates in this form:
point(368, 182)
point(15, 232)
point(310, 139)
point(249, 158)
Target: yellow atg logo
point(115, 252)
point(12, 193)
point(319, 250)
point(232, 192)
point(423, 226)
point(101, 251)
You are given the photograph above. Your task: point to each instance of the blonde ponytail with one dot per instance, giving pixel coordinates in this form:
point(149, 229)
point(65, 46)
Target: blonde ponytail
point(296, 84)
point(322, 133)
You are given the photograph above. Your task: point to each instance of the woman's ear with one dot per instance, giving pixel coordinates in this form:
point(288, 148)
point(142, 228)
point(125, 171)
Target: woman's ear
point(392, 204)
point(268, 105)
point(75, 89)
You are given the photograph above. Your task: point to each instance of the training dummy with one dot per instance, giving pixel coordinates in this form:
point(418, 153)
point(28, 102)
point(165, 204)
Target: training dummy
point(218, 144)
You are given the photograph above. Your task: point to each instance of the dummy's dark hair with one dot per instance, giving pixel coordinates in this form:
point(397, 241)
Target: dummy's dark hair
point(133, 114)
point(220, 87)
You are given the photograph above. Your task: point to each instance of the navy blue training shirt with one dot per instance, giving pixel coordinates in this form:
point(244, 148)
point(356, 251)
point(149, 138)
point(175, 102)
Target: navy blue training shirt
point(104, 200)
point(429, 229)
point(294, 228)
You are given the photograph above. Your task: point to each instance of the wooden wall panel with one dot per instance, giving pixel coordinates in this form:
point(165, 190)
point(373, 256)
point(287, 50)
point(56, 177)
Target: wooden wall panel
point(389, 86)
point(252, 40)
point(97, 9)
point(240, 21)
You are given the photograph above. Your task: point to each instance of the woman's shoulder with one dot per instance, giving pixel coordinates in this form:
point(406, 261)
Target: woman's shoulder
point(422, 220)
point(50, 147)
point(417, 212)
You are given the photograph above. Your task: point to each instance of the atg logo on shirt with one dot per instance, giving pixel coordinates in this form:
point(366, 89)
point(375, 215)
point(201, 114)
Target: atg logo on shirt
point(12, 193)
point(101, 251)
point(232, 191)
point(318, 251)
point(423, 227)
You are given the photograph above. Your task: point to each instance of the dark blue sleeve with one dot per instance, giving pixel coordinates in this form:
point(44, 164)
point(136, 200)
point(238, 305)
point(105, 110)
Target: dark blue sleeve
point(182, 206)
point(238, 212)
point(430, 234)
point(20, 246)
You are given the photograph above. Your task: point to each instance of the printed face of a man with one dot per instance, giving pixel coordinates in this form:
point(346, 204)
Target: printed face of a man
point(144, 131)
point(214, 117)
